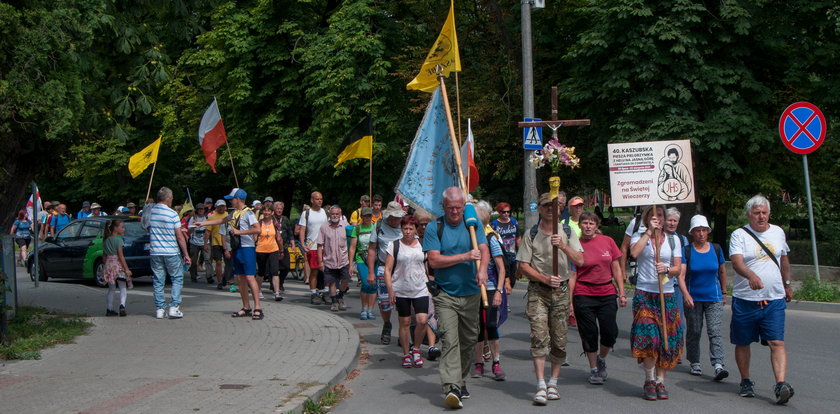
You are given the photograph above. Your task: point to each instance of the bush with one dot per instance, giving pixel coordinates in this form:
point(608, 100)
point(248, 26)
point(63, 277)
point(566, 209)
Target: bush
point(814, 291)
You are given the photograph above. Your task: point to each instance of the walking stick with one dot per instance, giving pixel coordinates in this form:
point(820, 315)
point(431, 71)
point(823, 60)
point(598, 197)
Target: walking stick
point(664, 323)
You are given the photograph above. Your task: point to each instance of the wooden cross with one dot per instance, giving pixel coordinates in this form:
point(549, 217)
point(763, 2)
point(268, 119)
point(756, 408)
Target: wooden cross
point(555, 124)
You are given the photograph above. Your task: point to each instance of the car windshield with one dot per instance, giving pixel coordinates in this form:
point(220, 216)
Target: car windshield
point(70, 231)
point(134, 229)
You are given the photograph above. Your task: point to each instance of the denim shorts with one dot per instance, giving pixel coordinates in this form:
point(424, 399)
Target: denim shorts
point(753, 321)
point(245, 261)
point(382, 297)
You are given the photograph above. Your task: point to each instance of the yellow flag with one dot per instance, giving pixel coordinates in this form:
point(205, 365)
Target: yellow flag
point(141, 160)
point(444, 52)
point(187, 206)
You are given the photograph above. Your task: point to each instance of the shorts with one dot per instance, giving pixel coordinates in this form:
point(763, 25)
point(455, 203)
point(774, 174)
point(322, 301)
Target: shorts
point(363, 274)
point(268, 264)
point(21, 242)
point(245, 261)
point(404, 305)
point(217, 253)
point(336, 275)
point(312, 259)
point(382, 298)
point(753, 321)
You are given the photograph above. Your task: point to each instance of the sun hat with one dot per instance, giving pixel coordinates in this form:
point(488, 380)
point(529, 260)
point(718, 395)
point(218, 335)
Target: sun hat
point(95, 205)
point(699, 221)
point(236, 193)
point(130, 204)
point(394, 209)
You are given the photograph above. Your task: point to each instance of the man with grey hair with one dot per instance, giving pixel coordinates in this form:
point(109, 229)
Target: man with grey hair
point(760, 294)
point(167, 247)
point(333, 259)
point(452, 255)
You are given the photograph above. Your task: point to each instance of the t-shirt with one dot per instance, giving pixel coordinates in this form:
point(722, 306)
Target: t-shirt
point(409, 276)
point(495, 251)
point(267, 239)
point(313, 225)
point(458, 279)
point(60, 222)
point(246, 220)
point(217, 230)
point(759, 262)
point(574, 225)
point(163, 224)
point(537, 252)
point(112, 244)
point(197, 238)
point(333, 240)
point(362, 235)
point(23, 230)
point(82, 214)
point(383, 235)
point(595, 276)
point(701, 276)
point(508, 232)
point(648, 280)
point(629, 230)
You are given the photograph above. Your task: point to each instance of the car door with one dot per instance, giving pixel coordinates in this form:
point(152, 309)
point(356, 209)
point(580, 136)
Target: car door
point(77, 249)
point(57, 255)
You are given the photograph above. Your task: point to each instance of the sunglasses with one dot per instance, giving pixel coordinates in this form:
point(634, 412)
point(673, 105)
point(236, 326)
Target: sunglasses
point(505, 212)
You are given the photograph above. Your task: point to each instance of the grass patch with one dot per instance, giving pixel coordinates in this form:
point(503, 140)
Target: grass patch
point(814, 291)
point(329, 399)
point(34, 329)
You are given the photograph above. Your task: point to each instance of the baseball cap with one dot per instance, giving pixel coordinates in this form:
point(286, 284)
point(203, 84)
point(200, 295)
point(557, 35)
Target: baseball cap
point(86, 204)
point(129, 205)
point(220, 203)
point(200, 206)
point(575, 201)
point(123, 209)
point(268, 199)
point(545, 198)
point(367, 211)
point(256, 203)
point(364, 198)
point(208, 200)
point(236, 193)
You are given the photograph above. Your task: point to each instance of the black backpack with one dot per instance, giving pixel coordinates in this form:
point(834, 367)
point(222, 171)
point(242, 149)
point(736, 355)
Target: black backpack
point(508, 258)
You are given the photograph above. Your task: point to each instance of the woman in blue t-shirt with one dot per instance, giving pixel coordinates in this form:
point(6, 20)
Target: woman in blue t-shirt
point(703, 286)
point(22, 230)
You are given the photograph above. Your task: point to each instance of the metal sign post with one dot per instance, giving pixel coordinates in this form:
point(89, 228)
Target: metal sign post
point(802, 128)
point(36, 221)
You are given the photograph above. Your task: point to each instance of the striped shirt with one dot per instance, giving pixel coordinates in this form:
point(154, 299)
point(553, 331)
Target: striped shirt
point(163, 224)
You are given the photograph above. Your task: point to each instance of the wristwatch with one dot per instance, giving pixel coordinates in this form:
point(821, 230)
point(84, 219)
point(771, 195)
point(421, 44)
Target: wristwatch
point(786, 282)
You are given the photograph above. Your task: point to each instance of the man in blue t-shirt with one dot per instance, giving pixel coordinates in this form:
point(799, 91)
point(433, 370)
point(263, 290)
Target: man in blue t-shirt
point(60, 220)
point(452, 256)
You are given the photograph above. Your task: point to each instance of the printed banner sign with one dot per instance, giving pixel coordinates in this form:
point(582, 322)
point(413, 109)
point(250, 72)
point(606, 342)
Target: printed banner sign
point(655, 172)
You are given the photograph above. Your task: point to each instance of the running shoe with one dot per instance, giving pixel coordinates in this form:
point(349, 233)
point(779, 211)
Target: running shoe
point(175, 312)
point(341, 305)
point(109, 312)
point(594, 378)
point(122, 310)
point(498, 374)
point(601, 364)
point(649, 390)
point(363, 315)
point(371, 316)
point(695, 370)
point(160, 313)
point(334, 307)
point(783, 392)
point(747, 388)
point(720, 373)
point(433, 354)
point(465, 395)
point(661, 392)
point(406, 361)
point(478, 370)
point(314, 299)
point(385, 338)
point(453, 398)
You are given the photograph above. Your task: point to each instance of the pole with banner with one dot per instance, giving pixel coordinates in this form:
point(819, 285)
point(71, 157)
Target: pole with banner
point(802, 129)
point(36, 210)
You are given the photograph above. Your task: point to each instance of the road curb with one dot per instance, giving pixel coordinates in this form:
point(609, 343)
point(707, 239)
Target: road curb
point(801, 305)
point(347, 364)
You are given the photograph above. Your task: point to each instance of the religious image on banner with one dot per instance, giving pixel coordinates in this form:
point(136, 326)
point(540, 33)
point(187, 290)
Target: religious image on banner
point(654, 172)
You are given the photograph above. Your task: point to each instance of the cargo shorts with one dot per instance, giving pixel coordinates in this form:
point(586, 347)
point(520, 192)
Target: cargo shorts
point(548, 315)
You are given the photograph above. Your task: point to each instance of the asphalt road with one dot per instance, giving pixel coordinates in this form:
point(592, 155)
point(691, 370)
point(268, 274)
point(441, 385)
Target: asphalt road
point(383, 386)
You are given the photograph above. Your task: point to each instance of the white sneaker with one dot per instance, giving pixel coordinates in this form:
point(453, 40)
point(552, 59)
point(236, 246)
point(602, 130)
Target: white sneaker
point(160, 313)
point(175, 312)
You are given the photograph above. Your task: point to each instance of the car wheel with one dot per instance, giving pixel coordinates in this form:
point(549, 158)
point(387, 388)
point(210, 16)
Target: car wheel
point(41, 275)
point(99, 267)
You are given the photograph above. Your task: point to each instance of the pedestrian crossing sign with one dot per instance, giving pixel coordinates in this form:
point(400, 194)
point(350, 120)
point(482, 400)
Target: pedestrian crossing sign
point(532, 136)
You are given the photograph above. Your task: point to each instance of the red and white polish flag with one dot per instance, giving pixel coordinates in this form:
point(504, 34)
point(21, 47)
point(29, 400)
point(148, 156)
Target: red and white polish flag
point(468, 160)
point(211, 134)
point(33, 207)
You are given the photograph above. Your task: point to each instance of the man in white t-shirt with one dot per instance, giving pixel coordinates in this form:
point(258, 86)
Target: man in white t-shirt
point(760, 294)
point(310, 225)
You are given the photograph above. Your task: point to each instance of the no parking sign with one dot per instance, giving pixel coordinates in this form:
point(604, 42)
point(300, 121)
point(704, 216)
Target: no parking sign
point(802, 128)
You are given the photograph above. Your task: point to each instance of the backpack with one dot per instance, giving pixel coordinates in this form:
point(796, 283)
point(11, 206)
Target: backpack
point(566, 229)
point(508, 258)
point(716, 247)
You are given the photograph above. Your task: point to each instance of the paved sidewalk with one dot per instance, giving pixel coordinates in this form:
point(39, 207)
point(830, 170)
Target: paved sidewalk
point(206, 362)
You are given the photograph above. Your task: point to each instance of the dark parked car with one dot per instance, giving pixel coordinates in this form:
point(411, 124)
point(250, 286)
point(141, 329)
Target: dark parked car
point(76, 251)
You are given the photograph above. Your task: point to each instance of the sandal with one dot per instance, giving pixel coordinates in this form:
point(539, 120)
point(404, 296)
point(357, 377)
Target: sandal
point(242, 313)
point(540, 397)
point(259, 314)
point(551, 393)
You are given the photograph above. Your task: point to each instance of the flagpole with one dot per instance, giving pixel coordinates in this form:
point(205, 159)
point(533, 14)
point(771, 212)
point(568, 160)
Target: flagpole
point(152, 177)
point(457, 153)
point(370, 175)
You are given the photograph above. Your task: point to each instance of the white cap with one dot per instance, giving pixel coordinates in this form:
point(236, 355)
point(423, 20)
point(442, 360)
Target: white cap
point(699, 221)
point(256, 203)
point(220, 203)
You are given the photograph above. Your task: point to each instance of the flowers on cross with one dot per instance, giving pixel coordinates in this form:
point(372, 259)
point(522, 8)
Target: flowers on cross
point(555, 155)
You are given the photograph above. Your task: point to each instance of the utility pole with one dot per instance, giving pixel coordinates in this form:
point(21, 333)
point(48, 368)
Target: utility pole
point(529, 174)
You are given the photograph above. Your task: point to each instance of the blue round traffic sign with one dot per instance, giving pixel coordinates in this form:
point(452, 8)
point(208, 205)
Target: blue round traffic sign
point(802, 128)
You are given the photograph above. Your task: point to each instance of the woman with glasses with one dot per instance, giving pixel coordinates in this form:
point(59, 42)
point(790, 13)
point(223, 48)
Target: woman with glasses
point(506, 227)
